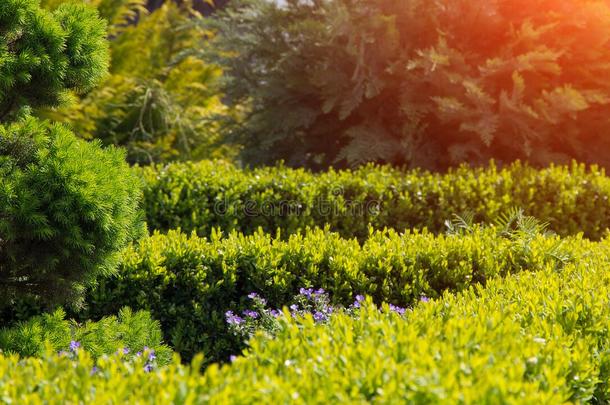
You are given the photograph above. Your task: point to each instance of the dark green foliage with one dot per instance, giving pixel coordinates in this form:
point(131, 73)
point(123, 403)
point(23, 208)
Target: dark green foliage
point(189, 283)
point(44, 54)
point(133, 331)
point(418, 82)
point(201, 196)
point(66, 208)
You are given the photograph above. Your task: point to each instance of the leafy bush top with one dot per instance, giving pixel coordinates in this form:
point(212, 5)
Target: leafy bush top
point(208, 194)
point(533, 337)
point(188, 284)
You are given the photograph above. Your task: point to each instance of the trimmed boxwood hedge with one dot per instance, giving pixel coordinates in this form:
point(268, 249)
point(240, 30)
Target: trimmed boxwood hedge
point(188, 283)
point(531, 338)
point(205, 195)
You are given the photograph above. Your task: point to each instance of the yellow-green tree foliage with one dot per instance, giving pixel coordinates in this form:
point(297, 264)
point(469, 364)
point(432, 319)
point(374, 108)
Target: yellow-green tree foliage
point(118, 13)
point(156, 102)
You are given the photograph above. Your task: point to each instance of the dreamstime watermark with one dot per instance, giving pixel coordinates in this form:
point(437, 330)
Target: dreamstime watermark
point(335, 204)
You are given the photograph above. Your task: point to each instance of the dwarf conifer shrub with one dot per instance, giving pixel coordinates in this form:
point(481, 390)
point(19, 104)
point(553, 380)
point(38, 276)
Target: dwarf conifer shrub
point(128, 333)
point(66, 206)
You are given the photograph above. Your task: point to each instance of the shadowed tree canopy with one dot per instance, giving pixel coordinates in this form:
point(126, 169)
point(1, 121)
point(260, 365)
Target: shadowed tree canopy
point(418, 82)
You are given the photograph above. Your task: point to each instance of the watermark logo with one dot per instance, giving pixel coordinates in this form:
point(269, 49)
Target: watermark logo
point(335, 203)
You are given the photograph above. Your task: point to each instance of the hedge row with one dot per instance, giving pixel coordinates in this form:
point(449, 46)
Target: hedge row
point(532, 338)
point(188, 283)
point(202, 196)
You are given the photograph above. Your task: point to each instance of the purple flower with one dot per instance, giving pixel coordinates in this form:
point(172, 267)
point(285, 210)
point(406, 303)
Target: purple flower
point(254, 296)
point(126, 350)
point(319, 316)
point(275, 313)
point(74, 345)
point(251, 314)
point(151, 355)
point(294, 307)
point(306, 292)
point(94, 370)
point(398, 310)
point(359, 299)
point(148, 368)
point(232, 358)
point(138, 354)
point(233, 319)
point(320, 291)
point(424, 299)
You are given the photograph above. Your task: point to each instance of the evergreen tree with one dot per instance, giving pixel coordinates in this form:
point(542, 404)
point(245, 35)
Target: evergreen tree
point(66, 206)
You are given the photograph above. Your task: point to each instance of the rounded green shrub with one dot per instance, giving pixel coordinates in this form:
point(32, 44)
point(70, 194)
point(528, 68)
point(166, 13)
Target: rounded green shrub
point(66, 208)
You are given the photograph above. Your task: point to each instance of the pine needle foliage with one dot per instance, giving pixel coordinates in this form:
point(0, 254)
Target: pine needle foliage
point(43, 55)
point(66, 206)
point(128, 333)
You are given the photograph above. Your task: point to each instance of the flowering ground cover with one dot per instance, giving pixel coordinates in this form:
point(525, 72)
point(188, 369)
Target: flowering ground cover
point(530, 337)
